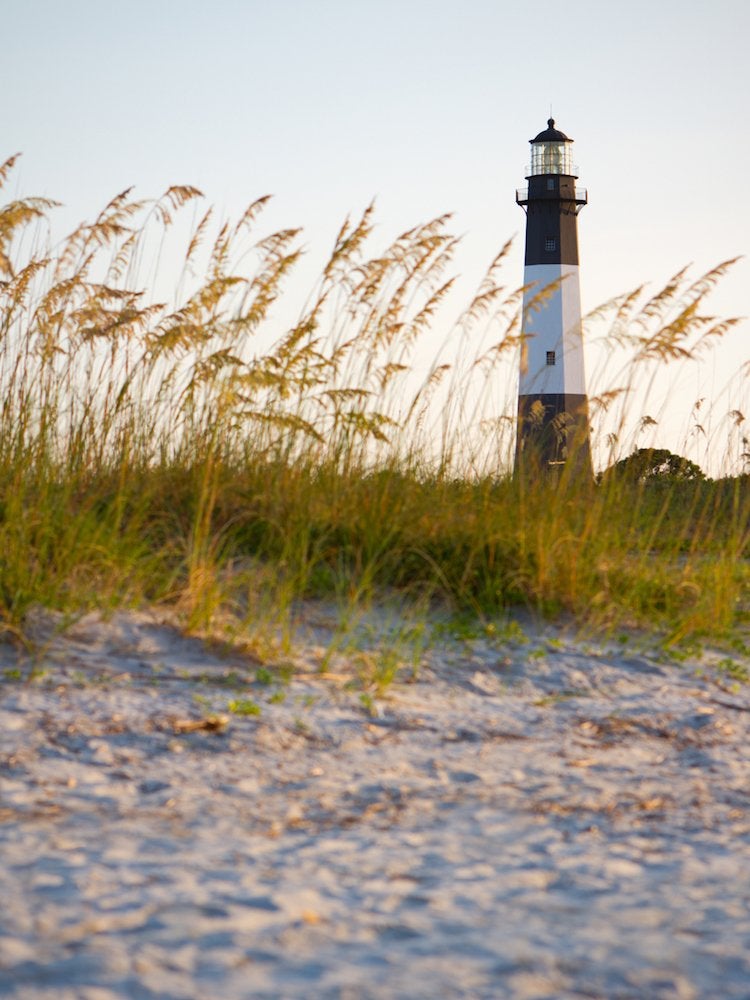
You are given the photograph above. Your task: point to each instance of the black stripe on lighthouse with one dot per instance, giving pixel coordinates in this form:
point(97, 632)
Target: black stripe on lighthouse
point(551, 221)
point(552, 402)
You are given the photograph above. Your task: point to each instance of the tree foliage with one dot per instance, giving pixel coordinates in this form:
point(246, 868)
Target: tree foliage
point(649, 464)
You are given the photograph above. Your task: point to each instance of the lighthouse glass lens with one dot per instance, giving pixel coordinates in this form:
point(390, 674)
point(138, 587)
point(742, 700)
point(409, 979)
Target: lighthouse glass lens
point(550, 158)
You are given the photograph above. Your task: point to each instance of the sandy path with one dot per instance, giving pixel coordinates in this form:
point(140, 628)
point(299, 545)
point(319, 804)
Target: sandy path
point(530, 820)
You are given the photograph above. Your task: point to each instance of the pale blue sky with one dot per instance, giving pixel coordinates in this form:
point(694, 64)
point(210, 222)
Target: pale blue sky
point(428, 106)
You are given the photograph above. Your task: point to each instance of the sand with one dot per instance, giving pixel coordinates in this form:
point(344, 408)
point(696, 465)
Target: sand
point(522, 816)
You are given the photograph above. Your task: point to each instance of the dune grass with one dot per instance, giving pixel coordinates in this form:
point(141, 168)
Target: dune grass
point(191, 453)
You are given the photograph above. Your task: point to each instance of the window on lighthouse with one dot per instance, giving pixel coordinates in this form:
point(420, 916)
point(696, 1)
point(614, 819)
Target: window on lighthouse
point(550, 357)
point(550, 244)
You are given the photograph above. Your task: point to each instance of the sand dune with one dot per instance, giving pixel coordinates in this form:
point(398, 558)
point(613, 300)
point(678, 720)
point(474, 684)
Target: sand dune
point(529, 816)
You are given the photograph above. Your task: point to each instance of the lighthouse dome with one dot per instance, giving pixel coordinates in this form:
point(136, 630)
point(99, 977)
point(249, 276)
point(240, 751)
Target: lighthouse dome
point(551, 134)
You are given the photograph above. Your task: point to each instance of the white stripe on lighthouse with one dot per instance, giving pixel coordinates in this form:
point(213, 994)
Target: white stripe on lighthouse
point(552, 323)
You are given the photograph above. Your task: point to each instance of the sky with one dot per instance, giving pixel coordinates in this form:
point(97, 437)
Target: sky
point(425, 105)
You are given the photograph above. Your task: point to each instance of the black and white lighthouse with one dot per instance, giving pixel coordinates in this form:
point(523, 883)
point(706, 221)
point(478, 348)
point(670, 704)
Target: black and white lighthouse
point(553, 426)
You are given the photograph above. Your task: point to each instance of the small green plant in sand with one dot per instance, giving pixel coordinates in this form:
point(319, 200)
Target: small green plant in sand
point(736, 671)
point(369, 704)
point(378, 668)
point(189, 447)
point(380, 642)
point(558, 697)
point(243, 706)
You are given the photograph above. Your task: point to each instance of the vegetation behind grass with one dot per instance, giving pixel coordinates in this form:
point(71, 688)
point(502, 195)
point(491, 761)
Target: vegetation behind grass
point(174, 453)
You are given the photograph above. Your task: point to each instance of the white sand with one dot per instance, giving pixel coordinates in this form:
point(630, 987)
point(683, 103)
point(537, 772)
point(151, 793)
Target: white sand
point(546, 819)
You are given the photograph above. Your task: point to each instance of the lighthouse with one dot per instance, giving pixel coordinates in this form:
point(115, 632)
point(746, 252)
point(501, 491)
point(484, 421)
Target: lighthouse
point(553, 429)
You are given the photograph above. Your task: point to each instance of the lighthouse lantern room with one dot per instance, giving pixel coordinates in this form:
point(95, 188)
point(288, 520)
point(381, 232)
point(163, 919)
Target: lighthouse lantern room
point(553, 426)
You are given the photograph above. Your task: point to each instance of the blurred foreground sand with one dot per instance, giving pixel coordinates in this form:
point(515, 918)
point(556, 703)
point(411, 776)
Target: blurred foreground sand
point(531, 817)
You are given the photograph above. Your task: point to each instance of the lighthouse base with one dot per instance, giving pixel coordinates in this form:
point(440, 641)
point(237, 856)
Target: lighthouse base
point(553, 432)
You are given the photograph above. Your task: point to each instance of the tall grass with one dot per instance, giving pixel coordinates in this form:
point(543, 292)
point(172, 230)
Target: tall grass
point(192, 452)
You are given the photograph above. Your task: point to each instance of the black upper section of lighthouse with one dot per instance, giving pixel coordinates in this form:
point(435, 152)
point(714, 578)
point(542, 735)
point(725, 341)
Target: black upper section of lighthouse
point(551, 201)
